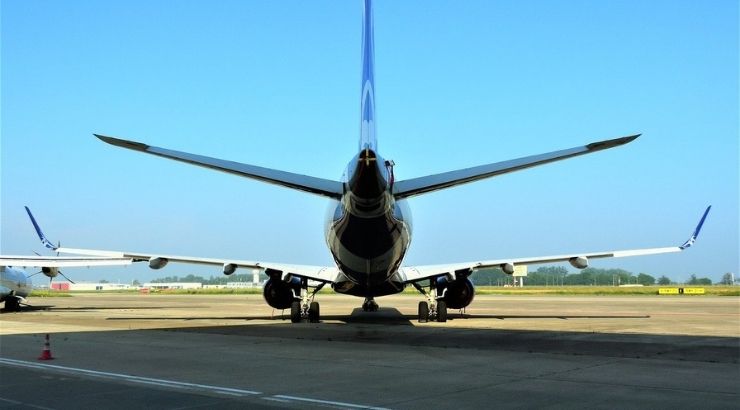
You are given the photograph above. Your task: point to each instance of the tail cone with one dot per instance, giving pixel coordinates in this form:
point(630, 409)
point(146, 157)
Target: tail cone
point(46, 353)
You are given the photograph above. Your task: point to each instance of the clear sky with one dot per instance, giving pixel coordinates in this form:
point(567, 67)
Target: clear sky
point(277, 84)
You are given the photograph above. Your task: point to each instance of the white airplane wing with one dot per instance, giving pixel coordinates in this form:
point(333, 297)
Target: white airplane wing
point(96, 257)
point(578, 260)
point(229, 266)
point(61, 261)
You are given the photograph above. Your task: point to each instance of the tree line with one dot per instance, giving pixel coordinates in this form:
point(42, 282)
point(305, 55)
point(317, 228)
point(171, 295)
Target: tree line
point(543, 276)
point(559, 276)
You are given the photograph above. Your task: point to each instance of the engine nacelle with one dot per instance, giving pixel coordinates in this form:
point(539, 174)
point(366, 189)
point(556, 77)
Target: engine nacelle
point(458, 293)
point(508, 268)
point(229, 268)
point(579, 262)
point(279, 294)
point(157, 262)
point(50, 272)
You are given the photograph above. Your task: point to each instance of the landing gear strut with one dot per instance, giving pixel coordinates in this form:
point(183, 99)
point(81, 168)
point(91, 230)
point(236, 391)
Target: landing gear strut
point(306, 307)
point(435, 308)
point(369, 305)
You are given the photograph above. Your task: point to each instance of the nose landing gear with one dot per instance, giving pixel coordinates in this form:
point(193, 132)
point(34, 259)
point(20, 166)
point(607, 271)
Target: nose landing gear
point(369, 305)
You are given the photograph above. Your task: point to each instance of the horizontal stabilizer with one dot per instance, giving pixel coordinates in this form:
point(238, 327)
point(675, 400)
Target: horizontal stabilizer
point(319, 186)
point(429, 183)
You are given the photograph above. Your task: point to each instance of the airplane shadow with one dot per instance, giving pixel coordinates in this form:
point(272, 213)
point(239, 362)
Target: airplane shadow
point(384, 316)
point(388, 326)
point(53, 308)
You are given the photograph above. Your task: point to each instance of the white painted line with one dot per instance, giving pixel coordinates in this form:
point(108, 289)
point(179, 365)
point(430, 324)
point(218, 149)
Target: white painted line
point(327, 402)
point(181, 385)
point(133, 379)
point(19, 403)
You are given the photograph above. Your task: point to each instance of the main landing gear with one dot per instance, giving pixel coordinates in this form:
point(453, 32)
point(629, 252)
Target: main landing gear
point(12, 304)
point(306, 308)
point(434, 308)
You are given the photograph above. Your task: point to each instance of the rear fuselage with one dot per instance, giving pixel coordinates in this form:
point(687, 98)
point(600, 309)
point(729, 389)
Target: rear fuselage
point(368, 232)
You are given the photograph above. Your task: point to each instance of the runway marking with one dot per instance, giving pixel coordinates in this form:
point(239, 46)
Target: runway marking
point(134, 379)
point(229, 391)
point(19, 403)
point(326, 402)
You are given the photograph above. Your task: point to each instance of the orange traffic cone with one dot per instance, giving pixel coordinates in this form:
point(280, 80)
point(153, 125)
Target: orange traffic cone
point(46, 353)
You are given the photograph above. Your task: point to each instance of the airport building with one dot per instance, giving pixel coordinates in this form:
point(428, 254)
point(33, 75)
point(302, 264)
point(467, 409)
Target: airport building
point(69, 286)
point(173, 285)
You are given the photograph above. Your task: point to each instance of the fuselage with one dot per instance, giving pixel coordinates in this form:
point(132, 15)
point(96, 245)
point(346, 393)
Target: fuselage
point(13, 283)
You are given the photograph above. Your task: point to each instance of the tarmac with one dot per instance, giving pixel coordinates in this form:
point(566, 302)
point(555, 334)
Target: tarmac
point(233, 351)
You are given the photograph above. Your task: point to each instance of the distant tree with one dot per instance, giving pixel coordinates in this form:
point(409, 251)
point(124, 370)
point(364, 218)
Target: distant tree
point(693, 280)
point(135, 282)
point(727, 279)
point(103, 281)
point(645, 279)
point(664, 280)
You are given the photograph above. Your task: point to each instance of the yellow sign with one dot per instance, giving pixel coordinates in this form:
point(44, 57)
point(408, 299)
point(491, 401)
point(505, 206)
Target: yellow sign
point(681, 291)
point(693, 291)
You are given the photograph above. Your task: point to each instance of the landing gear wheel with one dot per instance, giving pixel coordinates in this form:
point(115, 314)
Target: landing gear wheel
point(12, 304)
point(441, 311)
point(423, 312)
point(313, 312)
point(295, 312)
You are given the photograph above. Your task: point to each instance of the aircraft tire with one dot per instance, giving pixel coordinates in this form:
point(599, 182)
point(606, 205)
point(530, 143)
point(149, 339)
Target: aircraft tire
point(423, 312)
point(441, 311)
point(12, 304)
point(295, 312)
point(313, 312)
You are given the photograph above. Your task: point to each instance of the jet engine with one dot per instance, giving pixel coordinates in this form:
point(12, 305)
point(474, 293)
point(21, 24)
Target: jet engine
point(229, 268)
point(457, 293)
point(508, 268)
point(50, 272)
point(280, 294)
point(158, 263)
point(579, 262)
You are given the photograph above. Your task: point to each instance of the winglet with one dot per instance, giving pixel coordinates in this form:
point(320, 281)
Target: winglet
point(691, 240)
point(41, 235)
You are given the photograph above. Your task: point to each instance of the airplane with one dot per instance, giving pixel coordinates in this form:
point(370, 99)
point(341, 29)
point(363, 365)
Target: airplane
point(368, 228)
point(15, 285)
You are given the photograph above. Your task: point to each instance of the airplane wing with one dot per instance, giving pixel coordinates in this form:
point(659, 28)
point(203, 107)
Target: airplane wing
point(577, 260)
point(319, 186)
point(429, 183)
point(61, 262)
point(158, 261)
point(97, 257)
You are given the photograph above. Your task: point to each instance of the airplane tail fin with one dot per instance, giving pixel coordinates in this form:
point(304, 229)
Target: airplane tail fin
point(368, 138)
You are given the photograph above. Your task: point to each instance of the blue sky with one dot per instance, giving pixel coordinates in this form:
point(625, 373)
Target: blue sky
point(277, 84)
